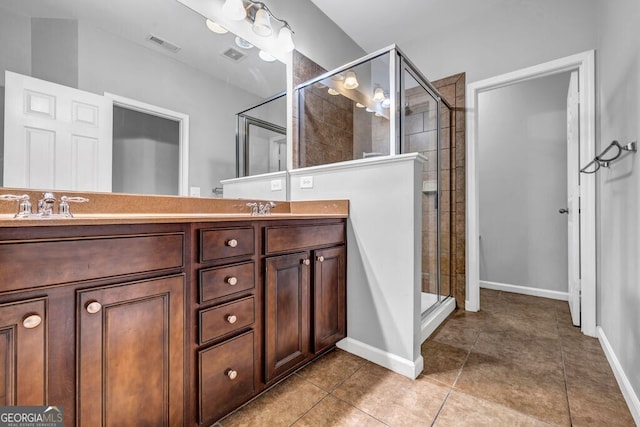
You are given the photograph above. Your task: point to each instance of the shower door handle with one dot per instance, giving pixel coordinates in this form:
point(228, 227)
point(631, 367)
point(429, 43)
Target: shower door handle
point(564, 211)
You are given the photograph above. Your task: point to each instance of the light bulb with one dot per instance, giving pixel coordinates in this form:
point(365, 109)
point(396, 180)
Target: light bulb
point(262, 23)
point(332, 91)
point(285, 40)
point(378, 95)
point(234, 10)
point(350, 80)
point(266, 56)
point(215, 27)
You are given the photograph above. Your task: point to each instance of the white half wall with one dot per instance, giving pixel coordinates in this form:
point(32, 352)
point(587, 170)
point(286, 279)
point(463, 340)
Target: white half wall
point(269, 186)
point(383, 253)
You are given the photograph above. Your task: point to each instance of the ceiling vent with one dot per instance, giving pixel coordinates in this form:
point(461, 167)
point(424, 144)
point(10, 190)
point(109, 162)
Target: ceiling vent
point(234, 55)
point(164, 43)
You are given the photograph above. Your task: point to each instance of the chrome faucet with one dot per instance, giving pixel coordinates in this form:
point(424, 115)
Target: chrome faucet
point(265, 210)
point(45, 205)
point(254, 208)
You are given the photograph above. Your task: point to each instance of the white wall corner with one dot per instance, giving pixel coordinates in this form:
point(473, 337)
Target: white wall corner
point(400, 365)
point(630, 395)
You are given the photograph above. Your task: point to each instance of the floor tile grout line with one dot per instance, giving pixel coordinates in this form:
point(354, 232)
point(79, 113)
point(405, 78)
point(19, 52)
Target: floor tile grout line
point(309, 410)
point(359, 409)
point(441, 406)
point(564, 369)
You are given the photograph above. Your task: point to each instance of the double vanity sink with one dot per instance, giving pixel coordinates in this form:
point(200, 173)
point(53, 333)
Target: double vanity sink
point(166, 310)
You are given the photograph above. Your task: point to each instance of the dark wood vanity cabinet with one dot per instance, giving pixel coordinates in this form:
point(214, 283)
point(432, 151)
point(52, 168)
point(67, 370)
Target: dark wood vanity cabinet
point(305, 294)
point(164, 324)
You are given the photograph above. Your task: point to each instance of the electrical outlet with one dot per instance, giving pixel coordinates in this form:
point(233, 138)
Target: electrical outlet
point(276, 185)
point(306, 182)
point(194, 191)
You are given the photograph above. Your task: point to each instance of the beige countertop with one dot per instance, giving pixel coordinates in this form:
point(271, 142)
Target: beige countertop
point(107, 208)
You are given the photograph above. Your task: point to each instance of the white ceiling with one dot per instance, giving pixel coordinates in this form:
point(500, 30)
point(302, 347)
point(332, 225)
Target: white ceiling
point(374, 24)
point(170, 20)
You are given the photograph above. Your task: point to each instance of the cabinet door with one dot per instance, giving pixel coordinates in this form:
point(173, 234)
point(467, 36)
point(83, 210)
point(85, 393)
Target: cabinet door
point(287, 317)
point(329, 307)
point(131, 354)
point(23, 336)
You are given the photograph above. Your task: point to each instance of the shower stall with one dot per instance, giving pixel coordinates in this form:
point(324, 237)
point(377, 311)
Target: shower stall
point(381, 105)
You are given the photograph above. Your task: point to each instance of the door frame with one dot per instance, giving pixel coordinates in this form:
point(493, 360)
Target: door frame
point(183, 134)
point(584, 63)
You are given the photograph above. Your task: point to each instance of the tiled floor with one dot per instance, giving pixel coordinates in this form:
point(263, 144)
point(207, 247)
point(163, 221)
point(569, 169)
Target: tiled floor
point(518, 362)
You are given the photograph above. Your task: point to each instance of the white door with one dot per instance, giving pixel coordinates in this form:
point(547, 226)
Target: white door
point(56, 137)
point(277, 153)
point(573, 199)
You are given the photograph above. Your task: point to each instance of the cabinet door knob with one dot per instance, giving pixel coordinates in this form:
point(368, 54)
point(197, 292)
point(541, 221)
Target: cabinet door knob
point(321, 258)
point(93, 307)
point(232, 243)
point(232, 374)
point(231, 318)
point(232, 280)
point(32, 321)
point(306, 261)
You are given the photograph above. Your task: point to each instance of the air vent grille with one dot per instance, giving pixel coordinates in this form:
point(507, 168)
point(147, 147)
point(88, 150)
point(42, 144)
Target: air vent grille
point(234, 55)
point(172, 47)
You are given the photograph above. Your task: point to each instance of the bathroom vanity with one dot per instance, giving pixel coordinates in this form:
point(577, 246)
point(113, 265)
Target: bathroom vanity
point(172, 319)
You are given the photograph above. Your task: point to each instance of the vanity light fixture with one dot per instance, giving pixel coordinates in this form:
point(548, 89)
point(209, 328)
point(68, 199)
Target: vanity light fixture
point(216, 28)
point(377, 114)
point(234, 10)
point(350, 80)
point(259, 17)
point(262, 21)
point(359, 105)
point(386, 102)
point(368, 110)
point(332, 91)
point(378, 95)
point(266, 56)
point(337, 77)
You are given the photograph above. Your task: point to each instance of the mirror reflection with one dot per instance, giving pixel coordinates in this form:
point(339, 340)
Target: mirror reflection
point(126, 96)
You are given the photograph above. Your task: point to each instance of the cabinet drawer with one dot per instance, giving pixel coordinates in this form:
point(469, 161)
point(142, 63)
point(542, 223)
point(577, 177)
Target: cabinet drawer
point(223, 281)
point(226, 376)
point(226, 243)
point(218, 321)
point(280, 239)
point(49, 262)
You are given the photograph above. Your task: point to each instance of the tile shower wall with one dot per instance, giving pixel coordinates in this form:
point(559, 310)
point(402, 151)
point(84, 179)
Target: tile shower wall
point(452, 88)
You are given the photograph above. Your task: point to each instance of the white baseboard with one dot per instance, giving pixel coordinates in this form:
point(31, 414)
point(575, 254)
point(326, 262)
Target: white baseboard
point(628, 392)
point(436, 317)
point(385, 359)
point(526, 290)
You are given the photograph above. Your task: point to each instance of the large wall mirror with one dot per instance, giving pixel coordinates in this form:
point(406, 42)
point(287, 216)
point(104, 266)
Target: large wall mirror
point(148, 75)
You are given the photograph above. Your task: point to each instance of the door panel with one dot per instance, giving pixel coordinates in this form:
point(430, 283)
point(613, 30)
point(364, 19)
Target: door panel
point(573, 199)
point(329, 298)
point(56, 137)
point(131, 354)
point(23, 353)
point(287, 316)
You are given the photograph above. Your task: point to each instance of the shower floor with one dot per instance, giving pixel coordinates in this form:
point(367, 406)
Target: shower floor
point(428, 300)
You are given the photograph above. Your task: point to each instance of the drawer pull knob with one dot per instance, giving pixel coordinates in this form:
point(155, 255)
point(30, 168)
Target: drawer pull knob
point(94, 307)
point(306, 261)
point(232, 280)
point(232, 243)
point(321, 258)
point(231, 318)
point(32, 321)
point(232, 374)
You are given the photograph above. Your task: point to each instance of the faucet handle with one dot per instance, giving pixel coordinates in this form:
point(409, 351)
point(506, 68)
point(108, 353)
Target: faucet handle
point(24, 205)
point(63, 207)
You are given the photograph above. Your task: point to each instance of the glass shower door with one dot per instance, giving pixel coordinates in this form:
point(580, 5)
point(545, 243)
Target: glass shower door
point(424, 121)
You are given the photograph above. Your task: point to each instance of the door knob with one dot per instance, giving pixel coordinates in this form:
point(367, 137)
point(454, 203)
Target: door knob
point(564, 211)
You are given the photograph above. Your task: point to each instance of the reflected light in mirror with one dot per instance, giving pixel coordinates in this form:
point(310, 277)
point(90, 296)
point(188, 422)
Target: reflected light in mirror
point(266, 56)
point(332, 91)
point(378, 95)
point(350, 80)
point(215, 27)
